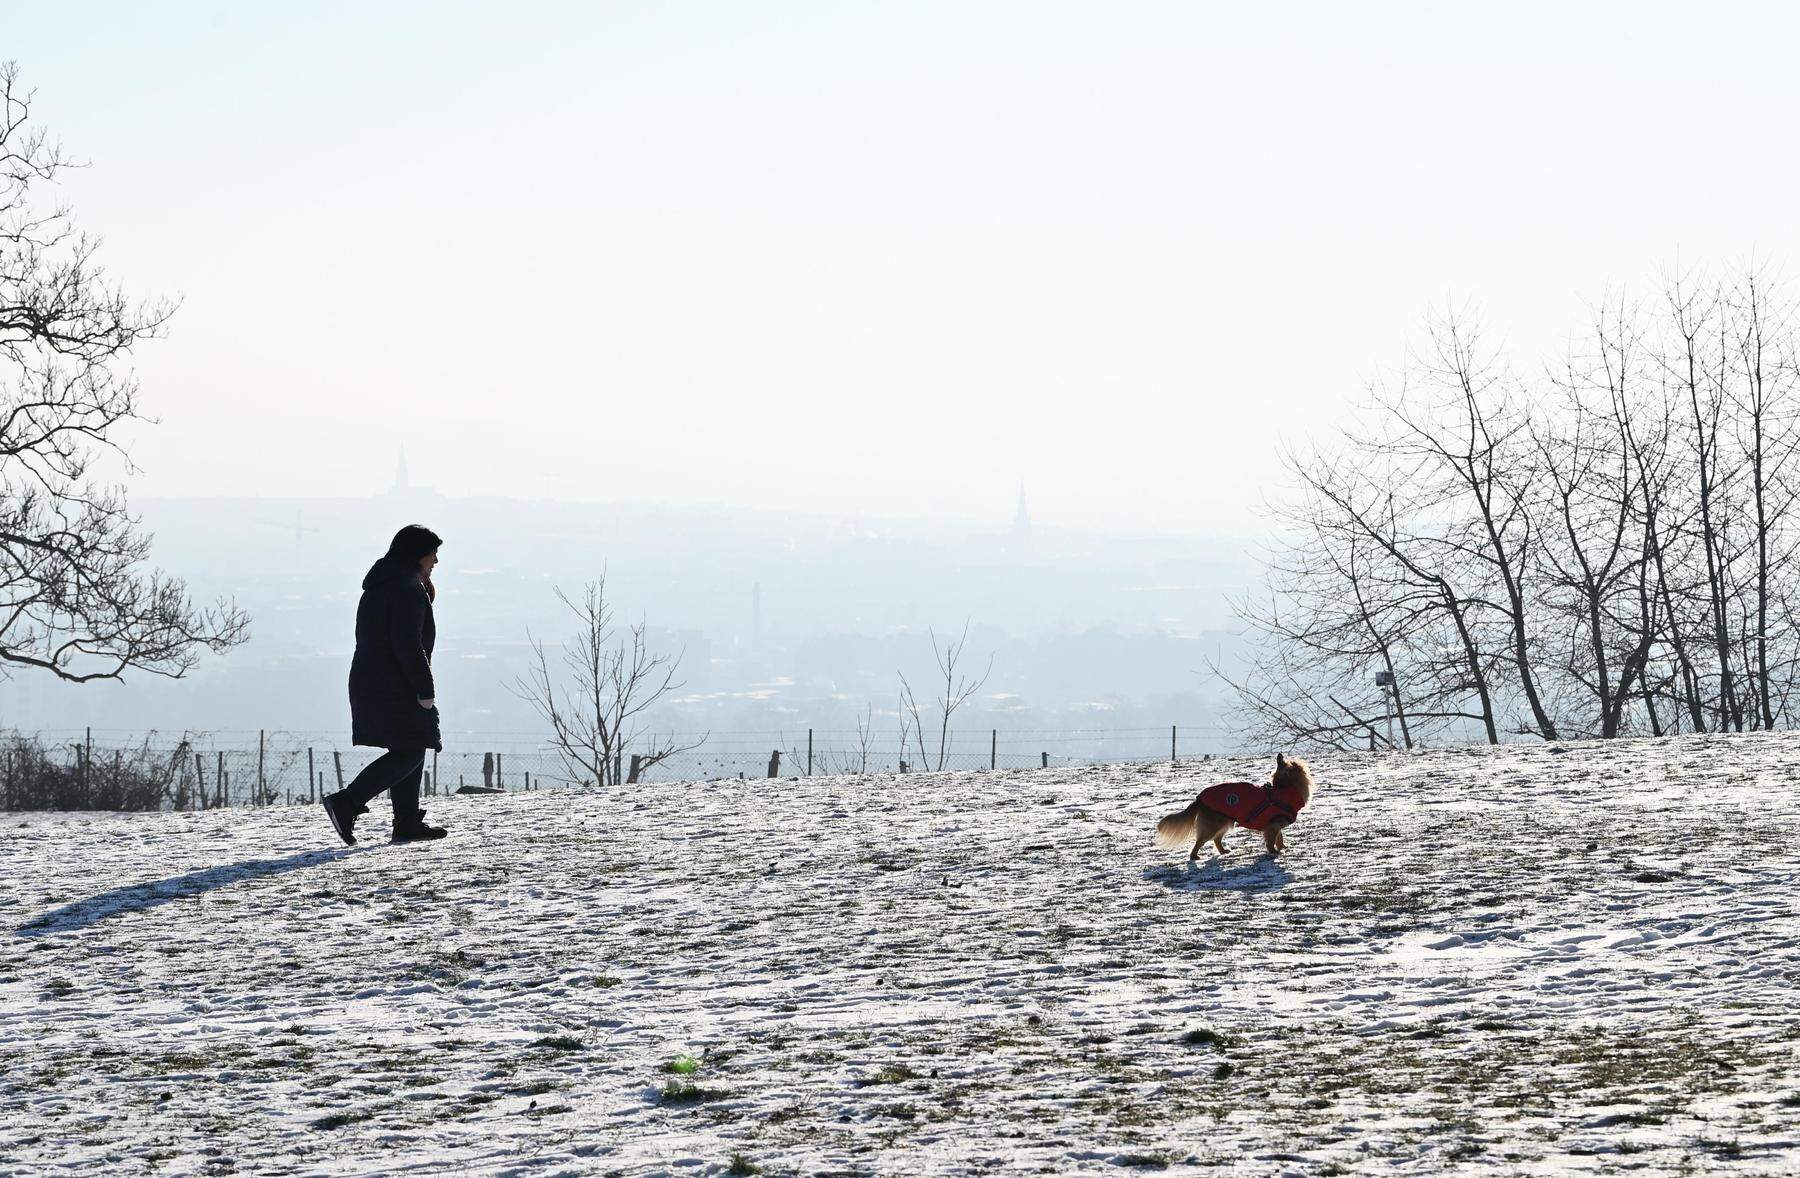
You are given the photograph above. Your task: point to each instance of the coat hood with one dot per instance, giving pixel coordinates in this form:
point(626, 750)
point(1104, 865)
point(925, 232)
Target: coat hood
point(388, 571)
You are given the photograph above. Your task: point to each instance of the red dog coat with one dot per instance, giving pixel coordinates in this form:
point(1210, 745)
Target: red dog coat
point(1253, 807)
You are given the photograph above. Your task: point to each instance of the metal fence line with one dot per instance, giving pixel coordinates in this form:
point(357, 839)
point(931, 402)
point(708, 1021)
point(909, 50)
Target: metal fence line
point(71, 769)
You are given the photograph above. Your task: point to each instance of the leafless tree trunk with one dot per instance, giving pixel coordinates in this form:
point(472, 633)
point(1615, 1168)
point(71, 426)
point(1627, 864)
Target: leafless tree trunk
point(1763, 351)
point(1700, 379)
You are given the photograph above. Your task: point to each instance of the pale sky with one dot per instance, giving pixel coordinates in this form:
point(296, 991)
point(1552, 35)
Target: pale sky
point(887, 259)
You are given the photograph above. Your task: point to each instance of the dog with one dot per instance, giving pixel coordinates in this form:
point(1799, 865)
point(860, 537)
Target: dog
point(1270, 808)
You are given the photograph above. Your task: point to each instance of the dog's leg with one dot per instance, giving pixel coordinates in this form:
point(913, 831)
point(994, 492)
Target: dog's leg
point(1272, 837)
point(1210, 828)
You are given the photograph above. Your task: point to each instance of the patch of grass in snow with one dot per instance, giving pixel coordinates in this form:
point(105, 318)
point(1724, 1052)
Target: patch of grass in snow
point(1146, 1161)
point(178, 1061)
point(740, 1164)
point(560, 1043)
point(339, 1120)
point(1123, 1110)
point(1635, 1117)
point(1633, 1062)
point(688, 1092)
point(891, 1073)
point(1207, 1037)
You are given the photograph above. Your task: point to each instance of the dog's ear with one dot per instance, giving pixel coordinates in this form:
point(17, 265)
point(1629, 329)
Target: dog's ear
point(1281, 758)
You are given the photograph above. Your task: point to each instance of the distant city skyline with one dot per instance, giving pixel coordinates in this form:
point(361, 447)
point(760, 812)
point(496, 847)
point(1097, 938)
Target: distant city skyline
point(832, 606)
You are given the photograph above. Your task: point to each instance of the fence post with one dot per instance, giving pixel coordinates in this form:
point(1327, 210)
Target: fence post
point(994, 750)
point(1046, 760)
point(527, 781)
point(435, 783)
point(337, 761)
point(1171, 742)
point(809, 752)
point(637, 761)
point(500, 770)
point(262, 785)
point(775, 763)
point(222, 784)
point(199, 782)
point(618, 765)
point(312, 779)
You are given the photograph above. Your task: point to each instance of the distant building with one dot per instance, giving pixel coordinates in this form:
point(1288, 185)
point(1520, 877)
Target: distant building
point(1021, 526)
point(403, 486)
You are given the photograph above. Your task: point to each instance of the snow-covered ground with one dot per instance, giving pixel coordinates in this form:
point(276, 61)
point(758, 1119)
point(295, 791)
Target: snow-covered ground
point(1529, 960)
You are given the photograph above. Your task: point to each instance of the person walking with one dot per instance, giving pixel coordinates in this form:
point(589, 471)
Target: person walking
point(393, 702)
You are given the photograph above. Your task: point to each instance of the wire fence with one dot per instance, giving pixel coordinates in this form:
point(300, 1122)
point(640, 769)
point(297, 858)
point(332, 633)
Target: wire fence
point(83, 769)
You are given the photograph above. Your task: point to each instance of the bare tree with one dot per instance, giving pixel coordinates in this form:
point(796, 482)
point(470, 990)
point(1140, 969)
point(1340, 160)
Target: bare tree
point(595, 703)
point(1614, 552)
point(956, 690)
point(75, 598)
point(1361, 590)
point(1592, 565)
point(907, 723)
point(865, 738)
point(1461, 420)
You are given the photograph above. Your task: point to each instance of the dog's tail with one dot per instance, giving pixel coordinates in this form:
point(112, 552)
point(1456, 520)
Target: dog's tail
point(1177, 830)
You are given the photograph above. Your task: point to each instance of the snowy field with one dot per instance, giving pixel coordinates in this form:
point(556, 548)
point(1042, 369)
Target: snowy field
point(1549, 959)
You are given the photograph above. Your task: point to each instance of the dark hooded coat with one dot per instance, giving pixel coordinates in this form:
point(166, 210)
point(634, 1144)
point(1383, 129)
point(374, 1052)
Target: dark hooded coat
point(391, 671)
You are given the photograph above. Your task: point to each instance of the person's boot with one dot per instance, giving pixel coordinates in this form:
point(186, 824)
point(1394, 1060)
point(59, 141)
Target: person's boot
point(343, 814)
point(415, 830)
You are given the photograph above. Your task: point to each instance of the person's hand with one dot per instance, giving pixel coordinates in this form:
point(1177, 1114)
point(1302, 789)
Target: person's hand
point(428, 703)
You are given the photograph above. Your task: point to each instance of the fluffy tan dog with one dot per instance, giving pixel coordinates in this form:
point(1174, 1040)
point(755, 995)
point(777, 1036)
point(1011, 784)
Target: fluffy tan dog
point(1270, 808)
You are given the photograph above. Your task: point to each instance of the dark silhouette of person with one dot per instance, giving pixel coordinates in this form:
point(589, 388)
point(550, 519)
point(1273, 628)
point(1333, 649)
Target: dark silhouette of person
point(393, 702)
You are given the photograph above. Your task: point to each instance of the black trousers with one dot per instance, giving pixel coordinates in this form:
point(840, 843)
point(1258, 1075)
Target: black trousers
point(398, 771)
